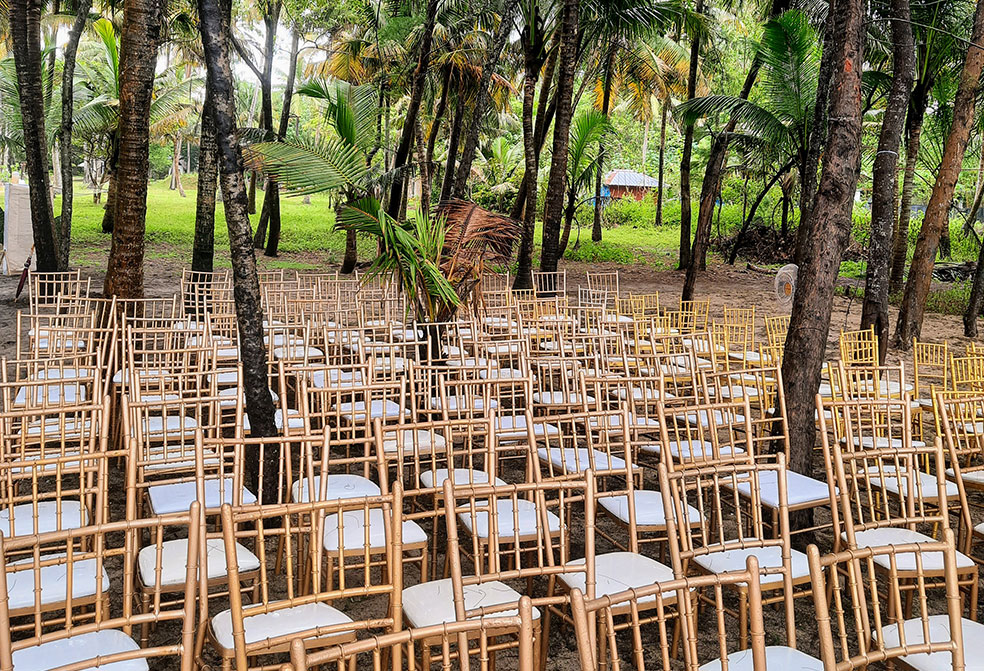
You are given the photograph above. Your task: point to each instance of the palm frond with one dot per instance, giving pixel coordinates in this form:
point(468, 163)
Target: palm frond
point(304, 166)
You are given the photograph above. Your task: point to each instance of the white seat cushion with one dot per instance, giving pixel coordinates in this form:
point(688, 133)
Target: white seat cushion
point(640, 394)
point(619, 571)
point(881, 442)
point(54, 582)
point(906, 561)
point(649, 510)
point(769, 558)
point(176, 497)
point(336, 378)
point(454, 404)
point(296, 351)
point(897, 483)
point(459, 476)
point(356, 411)
point(173, 561)
point(293, 619)
point(419, 439)
point(704, 420)
point(525, 516)
point(294, 420)
point(513, 427)
point(55, 654)
point(776, 657)
point(691, 449)
point(561, 398)
point(354, 528)
point(173, 424)
point(68, 393)
point(432, 602)
point(579, 459)
point(51, 517)
point(800, 489)
point(500, 373)
point(939, 632)
point(338, 486)
point(736, 391)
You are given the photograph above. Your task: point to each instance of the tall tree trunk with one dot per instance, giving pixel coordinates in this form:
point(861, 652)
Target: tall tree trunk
point(249, 309)
point(351, 253)
point(273, 242)
point(645, 144)
point(688, 150)
point(435, 129)
point(978, 198)
point(874, 311)
point(662, 157)
point(425, 174)
point(553, 207)
point(25, 29)
point(69, 52)
point(900, 240)
point(394, 205)
point(176, 167)
point(830, 230)
point(531, 42)
point(714, 173)
point(938, 211)
point(569, 213)
point(203, 252)
point(139, 41)
point(252, 192)
point(606, 101)
point(976, 301)
point(463, 173)
point(454, 140)
point(109, 212)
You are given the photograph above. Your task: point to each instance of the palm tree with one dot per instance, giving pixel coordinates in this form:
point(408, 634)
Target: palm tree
point(498, 161)
point(586, 132)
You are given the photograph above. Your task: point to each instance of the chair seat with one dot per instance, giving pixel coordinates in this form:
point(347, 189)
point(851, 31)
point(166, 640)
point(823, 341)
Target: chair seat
point(282, 622)
point(176, 457)
point(338, 486)
point(336, 378)
point(579, 459)
point(176, 497)
point(691, 449)
point(972, 477)
point(74, 649)
point(294, 420)
point(768, 557)
point(354, 531)
point(620, 571)
point(900, 483)
point(68, 393)
point(939, 632)
point(523, 514)
point(420, 440)
point(704, 420)
point(494, 373)
point(124, 375)
point(736, 391)
point(748, 356)
point(649, 511)
point(51, 517)
point(800, 489)
point(430, 603)
point(776, 657)
point(455, 403)
point(355, 411)
point(513, 427)
point(174, 425)
point(459, 477)
point(643, 394)
point(174, 566)
point(906, 561)
point(21, 585)
point(561, 398)
point(471, 362)
point(296, 351)
point(881, 442)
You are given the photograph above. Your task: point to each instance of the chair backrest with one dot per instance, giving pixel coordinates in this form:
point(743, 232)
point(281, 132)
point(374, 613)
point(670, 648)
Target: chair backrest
point(864, 621)
point(776, 329)
point(763, 389)
point(703, 434)
point(626, 629)
point(930, 367)
point(967, 373)
point(859, 347)
point(863, 381)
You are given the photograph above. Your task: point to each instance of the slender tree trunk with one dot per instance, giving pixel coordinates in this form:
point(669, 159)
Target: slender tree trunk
point(978, 197)
point(900, 241)
point(557, 179)
point(454, 140)
point(139, 41)
point(569, 213)
point(271, 194)
point(874, 311)
point(109, 212)
point(69, 52)
point(203, 252)
point(403, 149)
point(249, 309)
point(645, 144)
point(425, 175)
point(938, 210)
point(252, 192)
point(688, 149)
point(976, 301)
point(273, 241)
point(606, 101)
point(751, 214)
point(351, 253)
point(176, 167)
point(25, 30)
point(830, 230)
point(463, 173)
point(435, 129)
point(524, 269)
point(662, 157)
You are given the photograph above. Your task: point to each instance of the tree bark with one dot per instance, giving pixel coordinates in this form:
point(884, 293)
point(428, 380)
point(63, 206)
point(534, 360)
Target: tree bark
point(900, 241)
point(176, 167)
point(463, 172)
point(976, 301)
point(531, 41)
point(249, 310)
point(425, 175)
point(109, 211)
point(553, 207)
point(454, 140)
point(351, 253)
point(662, 157)
point(688, 150)
point(606, 101)
point(938, 211)
point(435, 129)
point(403, 149)
point(273, 241)
point(139, 41)
point(25, 30)
point(69, 52)
point(830, 230)
point(203, 251)
point(874, 311)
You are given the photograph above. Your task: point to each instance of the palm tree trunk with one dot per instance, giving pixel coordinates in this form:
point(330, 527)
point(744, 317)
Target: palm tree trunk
point(900, 240)
point(569, 213)
point(831, 228)
point(688, 150)
point(874, 311)
point(454, 139)
point(138, 60)
point(273, 242)
point(176, 167)
point(938, 210)
point(645, 144)
point(403, 149)
point(425, 174)
point(524, 269)
point(662, 158)
point(606, 101)
point(69, 52)
point(249, 309)
point(109, 212)
point(351, 253)
point(553, 207)
point(435, 129)
point(252, 192)
point(25, 29)
point(203, 251)
point(492, 59)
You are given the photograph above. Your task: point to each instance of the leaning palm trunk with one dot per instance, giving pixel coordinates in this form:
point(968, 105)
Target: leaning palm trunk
point(203, 251)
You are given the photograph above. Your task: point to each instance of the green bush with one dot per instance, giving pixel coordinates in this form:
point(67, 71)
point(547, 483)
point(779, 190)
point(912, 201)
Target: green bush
point(627, 211)
point(598, 252)
point(160, 160)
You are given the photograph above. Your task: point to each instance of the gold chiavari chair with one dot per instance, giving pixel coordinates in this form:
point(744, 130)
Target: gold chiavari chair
point(550, 283)
point(776, 329)
point(859, 348)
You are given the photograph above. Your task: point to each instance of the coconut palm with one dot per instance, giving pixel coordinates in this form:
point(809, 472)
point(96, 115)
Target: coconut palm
point(588, 129)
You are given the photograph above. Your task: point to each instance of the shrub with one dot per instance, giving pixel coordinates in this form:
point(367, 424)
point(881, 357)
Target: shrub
point(627, 211)
point(598, 252)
